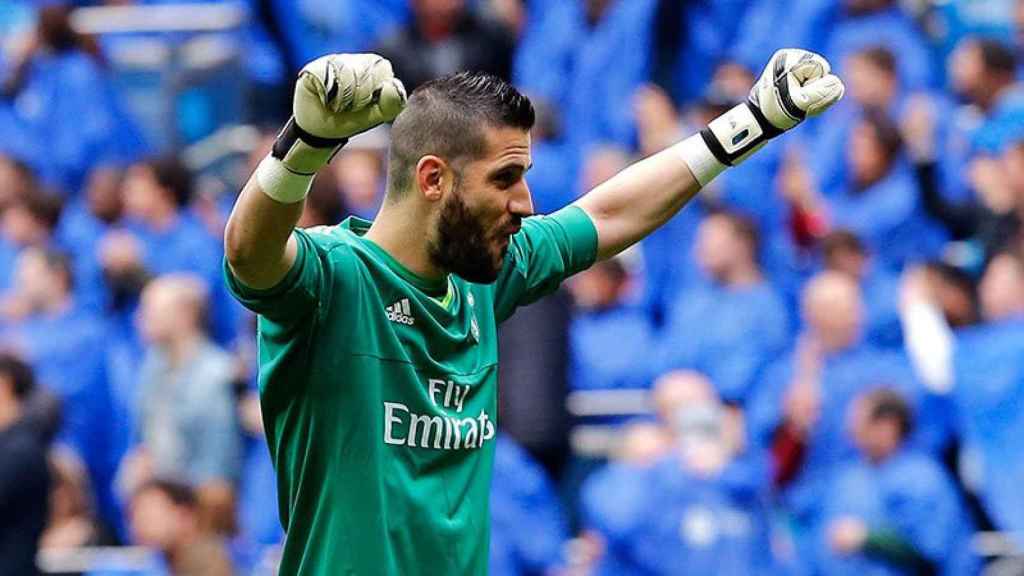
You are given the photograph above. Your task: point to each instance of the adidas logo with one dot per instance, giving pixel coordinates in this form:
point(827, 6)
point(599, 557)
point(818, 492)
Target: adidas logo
point(400, 312)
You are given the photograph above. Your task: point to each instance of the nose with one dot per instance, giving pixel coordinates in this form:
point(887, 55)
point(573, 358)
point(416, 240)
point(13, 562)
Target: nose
point(521, 202)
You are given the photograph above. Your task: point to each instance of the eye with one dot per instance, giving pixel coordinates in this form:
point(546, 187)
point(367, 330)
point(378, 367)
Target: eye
point(506, 179)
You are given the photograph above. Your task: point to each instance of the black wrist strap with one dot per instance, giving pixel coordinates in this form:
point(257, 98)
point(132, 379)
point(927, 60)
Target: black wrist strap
point(292, 132)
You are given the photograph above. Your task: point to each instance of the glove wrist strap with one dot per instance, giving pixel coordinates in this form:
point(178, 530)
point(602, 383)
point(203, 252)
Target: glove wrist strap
point(737, 134)
point(302, 152)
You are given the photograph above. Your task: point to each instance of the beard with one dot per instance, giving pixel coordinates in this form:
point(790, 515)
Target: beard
point(462, 246)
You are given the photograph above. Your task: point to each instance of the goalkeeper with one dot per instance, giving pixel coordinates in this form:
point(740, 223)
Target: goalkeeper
point(377, 341)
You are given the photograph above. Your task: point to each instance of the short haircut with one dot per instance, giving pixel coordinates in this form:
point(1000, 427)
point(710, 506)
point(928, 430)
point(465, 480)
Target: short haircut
point(887, 404)
point(42, 206)
point(997, 57)
point(446, 117)
point(19, 372)
point(190, 291)
point(841, 240)
point(880, 57)
point(59, 262)
point(172, 174)
point(742, 225)
point(886, 131)
point(178, 492)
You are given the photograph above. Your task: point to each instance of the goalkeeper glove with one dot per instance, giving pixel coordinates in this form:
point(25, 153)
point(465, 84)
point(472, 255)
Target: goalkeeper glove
point(337, 96)
point(795, 84)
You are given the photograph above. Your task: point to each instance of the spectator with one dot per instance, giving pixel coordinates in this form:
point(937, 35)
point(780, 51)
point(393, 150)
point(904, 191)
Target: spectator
point(258, 524)
point(24, 478)
point(162, 236)
point(447, 36)
point(689, 40)
point(701, 508)
point(993, 217)
point(165, 515)
point(64, 344)
point(980, 368)
point(29, 220)
point(733, 305)
point(798, 410)
point(982, 73)
point(873, 84)
point(187, 422)
point(601, 359)
point(872, 22)
point(309, 29)
point(844, 252)
point(564, 61)
point(893, 509)
point(59, 61)
point(72, 522)
point(359, 175)
point(528, 529)
point(878, 200)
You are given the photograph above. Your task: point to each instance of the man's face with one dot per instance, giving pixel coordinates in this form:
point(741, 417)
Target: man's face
point(869, 84)
point(484, 208)
point(1002, 288)
point(718, 248)
point(140, 192)
point(35, 280)
point(967, 70)
point(154, 520)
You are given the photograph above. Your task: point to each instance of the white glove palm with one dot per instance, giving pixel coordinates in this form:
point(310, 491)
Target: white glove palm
point(337, 96)
point(795, 84)
point(341, 95)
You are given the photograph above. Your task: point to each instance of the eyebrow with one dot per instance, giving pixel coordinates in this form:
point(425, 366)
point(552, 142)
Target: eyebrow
point(510, 167)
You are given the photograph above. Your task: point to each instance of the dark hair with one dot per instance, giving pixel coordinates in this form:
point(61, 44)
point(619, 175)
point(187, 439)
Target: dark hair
point(997, 57)
point(841, 240)
point(20, 373)
point(42, 206)
point(956, 277)
point(446, 117)
point(171, 173)
point(59, 262)
point(178, 492)
point(880, 57)
point(742, 225)
point(886, 404)
point(886, 131)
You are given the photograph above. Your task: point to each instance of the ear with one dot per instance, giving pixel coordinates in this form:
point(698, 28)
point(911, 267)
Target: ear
point(431, 172)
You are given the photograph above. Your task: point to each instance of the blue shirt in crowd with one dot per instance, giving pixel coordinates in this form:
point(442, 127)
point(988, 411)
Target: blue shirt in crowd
point(909, 495)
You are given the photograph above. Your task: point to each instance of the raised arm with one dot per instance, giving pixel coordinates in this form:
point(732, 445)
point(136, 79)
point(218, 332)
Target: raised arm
point(336, 96)
point(794, 85)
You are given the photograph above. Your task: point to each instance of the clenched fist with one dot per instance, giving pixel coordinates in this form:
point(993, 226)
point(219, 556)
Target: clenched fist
point(337, 96)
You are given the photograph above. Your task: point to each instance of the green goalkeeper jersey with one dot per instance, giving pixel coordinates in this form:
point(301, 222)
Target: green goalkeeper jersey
point(379, 396)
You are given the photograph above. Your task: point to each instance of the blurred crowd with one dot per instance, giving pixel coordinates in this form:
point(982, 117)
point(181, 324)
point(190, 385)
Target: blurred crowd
point(829, 339)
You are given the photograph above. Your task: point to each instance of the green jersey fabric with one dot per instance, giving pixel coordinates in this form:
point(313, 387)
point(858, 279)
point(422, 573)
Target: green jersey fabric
point(379, 396)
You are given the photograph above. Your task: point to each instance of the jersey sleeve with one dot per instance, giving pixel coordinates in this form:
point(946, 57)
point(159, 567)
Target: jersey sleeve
point(545, 252)
point(296, 296)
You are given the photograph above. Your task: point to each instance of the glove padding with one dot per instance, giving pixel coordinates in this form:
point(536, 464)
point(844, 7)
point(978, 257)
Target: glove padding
point(340, 95)
point(337, 96)
point(795, 84)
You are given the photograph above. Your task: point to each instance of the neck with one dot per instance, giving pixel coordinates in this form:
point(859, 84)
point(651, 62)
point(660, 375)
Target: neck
point(183, 347)
point(55, 305)
point(741, 276)
point(188, 537)
point(10, 412)
point(989, 98)
point(400, 233)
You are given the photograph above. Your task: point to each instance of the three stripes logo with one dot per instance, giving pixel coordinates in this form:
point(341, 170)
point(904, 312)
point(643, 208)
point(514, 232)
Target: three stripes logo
point(400, 312)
